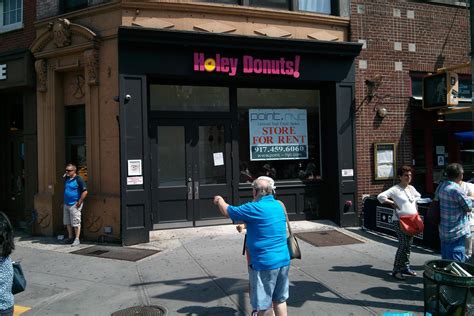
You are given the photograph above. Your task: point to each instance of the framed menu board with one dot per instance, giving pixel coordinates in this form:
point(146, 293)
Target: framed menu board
point(385, 166)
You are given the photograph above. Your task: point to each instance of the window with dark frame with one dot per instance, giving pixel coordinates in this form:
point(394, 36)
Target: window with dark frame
point(73, 5)
point(11, 14)
point(315, 6)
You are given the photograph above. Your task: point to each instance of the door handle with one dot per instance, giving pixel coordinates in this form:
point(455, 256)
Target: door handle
point(196, 190)
point(190, 189)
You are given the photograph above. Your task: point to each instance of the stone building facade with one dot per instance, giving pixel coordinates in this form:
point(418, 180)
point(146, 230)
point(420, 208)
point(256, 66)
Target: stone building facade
point(91, 59)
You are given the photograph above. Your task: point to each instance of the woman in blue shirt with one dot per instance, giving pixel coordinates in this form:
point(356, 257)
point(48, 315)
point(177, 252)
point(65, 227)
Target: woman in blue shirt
point(6, 268)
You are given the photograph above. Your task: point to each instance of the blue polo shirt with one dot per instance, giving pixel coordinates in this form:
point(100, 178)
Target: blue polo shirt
point(73, 188)
point(266, 232)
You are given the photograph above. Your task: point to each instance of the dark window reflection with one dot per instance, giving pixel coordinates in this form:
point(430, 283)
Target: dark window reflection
point(299, 169)
point(277, 4)
point(75, 136)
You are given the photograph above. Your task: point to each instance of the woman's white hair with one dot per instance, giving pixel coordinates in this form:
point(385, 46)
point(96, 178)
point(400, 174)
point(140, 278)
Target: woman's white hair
point(264, 186)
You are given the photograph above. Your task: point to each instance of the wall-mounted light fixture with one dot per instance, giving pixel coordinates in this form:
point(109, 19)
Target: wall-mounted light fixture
point(372, 86)
point(382, 112)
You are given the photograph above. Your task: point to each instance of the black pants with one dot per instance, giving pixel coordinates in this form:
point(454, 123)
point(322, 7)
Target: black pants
point(402, 258)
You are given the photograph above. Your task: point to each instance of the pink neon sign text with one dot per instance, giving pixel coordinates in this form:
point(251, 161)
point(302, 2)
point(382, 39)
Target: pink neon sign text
point(250, 65)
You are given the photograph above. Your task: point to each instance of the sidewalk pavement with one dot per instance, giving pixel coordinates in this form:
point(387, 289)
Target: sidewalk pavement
point(201, 271)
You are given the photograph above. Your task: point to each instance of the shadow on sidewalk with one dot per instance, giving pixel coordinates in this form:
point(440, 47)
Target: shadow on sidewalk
point(201, 310)
point(46, 240)
point(388, 240)
point(203, 290)
point(303, 291)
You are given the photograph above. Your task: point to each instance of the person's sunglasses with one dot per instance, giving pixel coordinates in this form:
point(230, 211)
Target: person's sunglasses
point(69, 170)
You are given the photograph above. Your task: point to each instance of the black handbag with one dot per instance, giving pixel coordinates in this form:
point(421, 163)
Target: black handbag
point(19, 281)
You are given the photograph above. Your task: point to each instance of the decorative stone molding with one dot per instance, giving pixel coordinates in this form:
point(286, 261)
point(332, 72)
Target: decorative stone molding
point(41, 75)
point(273, 31)
point(61, 32)
point(79, 92)
point(153, 23)
point(91, 60)
point(215, 27)
point(323, 36)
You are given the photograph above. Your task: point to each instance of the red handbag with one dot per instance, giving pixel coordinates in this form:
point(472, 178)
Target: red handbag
point(411, 224)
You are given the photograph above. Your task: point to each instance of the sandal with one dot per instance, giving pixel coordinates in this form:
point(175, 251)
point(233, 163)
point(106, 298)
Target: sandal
point(398, 276)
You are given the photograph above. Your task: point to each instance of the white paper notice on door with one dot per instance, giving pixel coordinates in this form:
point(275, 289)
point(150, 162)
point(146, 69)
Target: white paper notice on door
point(135, 167)
point(218, 159)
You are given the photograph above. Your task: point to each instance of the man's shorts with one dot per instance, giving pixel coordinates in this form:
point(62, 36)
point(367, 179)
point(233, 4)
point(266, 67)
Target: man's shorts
point(72, 215)
point(268, 286)
point(454, 250)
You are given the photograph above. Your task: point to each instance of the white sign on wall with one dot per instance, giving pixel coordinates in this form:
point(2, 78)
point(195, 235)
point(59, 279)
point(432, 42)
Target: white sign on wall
point(3, 72)
point(278, 134)
point(135, 167)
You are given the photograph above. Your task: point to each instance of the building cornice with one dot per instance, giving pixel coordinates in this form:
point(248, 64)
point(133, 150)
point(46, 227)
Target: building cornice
point(236, 10)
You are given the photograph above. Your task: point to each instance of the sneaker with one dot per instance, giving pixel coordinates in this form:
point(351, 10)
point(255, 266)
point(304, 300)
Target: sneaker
point(75, 243)
point(398, 276)
point(68, 241)
point(408, 271)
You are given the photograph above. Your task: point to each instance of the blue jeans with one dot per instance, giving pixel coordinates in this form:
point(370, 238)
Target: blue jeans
point(267, 286)
point(6, 312)
point(454, 250)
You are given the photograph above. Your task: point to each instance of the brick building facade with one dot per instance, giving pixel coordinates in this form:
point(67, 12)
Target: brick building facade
point(404, 41)
point(20, 38)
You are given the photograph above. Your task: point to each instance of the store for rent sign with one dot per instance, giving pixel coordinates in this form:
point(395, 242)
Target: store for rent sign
point(248, 64)
point(278, 134)
point(3, 72)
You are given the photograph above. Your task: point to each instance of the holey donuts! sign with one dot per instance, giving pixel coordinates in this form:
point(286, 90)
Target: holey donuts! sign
point(247, 64)
point(278, 134)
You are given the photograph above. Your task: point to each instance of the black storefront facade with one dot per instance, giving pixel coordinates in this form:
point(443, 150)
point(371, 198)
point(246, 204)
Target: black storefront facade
point(205, 114)
point(18, 140)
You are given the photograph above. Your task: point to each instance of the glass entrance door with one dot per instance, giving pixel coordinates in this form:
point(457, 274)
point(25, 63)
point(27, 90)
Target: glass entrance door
point(190, 164)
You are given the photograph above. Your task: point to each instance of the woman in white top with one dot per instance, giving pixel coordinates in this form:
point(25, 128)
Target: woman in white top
point(402, 197)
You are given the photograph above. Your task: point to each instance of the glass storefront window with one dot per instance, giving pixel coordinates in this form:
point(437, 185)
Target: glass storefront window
point(171, 156)
point(211, 141)
point(188, 98)
point(285, 124)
